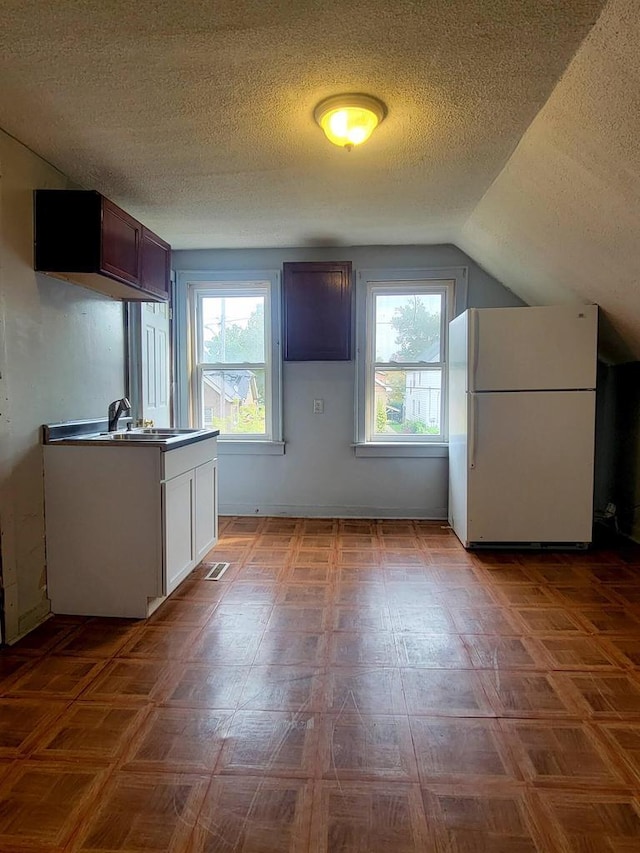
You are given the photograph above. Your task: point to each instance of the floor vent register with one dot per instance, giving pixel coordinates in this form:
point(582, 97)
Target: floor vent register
point(216, 571)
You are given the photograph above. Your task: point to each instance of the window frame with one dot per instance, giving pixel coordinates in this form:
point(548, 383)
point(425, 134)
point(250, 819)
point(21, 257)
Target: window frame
point(452, 283)
point(201, 285)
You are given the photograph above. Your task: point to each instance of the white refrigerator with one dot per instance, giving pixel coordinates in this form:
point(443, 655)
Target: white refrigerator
point(522, 425)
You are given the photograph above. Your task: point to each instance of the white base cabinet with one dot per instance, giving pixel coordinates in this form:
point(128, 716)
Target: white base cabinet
point(178, 520)
point(126, 525)
point(205, 513)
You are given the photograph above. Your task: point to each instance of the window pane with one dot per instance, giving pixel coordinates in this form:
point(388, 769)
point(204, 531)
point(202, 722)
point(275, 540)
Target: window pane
point(408, 327)
point(233, 401)
point(233, 329)
point(407, 402)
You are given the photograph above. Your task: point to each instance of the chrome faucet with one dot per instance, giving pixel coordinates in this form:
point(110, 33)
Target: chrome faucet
point(116, 410)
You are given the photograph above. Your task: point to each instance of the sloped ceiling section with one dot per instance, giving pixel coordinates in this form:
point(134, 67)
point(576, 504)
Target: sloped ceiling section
point(562, 220)
point(197, 116)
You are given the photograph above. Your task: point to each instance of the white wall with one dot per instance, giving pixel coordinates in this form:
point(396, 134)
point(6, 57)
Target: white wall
point(561, 221)
point(319, 473)
point(61, 358)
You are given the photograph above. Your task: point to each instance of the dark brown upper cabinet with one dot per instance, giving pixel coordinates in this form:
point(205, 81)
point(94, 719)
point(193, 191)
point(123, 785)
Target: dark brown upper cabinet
point(82, 237)
point(317, 311)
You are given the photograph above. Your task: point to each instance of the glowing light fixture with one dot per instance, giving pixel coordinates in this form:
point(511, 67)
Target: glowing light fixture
point(349, 120)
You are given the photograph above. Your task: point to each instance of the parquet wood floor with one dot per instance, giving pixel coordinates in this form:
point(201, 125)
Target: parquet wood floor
point(346, 687)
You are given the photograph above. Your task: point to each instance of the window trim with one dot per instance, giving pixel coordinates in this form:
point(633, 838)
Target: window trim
point(401, 287)
point(197, 295)
point(454, 281)
point(193, 286)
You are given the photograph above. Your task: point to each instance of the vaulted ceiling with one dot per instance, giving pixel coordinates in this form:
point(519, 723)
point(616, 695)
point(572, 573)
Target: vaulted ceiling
point(512, 131)
point(562, 220)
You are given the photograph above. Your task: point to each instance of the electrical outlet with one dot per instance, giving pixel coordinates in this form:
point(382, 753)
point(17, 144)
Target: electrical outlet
point(610, 510)
point(318, 407)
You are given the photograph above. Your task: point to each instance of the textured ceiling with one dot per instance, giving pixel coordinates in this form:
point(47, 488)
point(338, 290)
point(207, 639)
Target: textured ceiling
point(562, 220)
point(197, 116)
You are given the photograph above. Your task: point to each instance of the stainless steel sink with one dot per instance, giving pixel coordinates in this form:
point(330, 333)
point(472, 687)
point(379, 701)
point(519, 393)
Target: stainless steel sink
point(132, 436)
point(166, 431)
point(148, 434)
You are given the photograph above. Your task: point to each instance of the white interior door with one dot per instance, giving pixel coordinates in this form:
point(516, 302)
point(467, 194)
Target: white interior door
point(531, 467)
point(155, 373)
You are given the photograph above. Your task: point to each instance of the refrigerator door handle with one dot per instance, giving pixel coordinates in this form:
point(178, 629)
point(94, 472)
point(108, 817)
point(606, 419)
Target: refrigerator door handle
point(472, 431)
point(473, 347)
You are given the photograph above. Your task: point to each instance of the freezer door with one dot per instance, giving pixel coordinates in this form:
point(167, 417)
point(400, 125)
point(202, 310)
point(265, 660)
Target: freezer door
point(531, 467)
point(533, 349)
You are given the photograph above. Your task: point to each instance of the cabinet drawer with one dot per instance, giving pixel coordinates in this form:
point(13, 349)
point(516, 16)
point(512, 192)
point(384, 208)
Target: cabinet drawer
point(176, 462)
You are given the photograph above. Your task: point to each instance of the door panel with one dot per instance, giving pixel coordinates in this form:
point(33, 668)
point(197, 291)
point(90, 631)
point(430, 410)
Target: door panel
point(178, 501)
point(155, 261)
point(120, 250)
point(205, 509)
point(531, 467)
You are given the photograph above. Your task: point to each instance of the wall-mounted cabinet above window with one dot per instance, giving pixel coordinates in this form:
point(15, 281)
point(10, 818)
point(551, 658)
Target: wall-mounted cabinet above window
point(317, 311)
point(84, 238)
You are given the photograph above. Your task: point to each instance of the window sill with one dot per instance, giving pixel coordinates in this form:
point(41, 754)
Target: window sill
point(230, 447)
point(407, 449)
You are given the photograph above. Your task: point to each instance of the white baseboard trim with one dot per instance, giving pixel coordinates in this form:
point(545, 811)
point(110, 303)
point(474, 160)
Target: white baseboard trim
point(299, 511)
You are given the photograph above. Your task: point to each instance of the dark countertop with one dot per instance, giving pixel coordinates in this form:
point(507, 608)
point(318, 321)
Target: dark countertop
point(94, 432)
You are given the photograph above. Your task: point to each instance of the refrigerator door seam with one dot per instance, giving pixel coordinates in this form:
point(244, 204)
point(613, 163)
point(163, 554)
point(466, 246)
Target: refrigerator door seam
point(533, 390)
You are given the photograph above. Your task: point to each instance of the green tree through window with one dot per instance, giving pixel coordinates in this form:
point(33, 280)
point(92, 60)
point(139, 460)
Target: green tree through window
point(236, 343)
point(417, 329)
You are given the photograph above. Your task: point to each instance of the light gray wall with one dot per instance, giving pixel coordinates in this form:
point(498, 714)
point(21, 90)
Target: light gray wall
point(319, 475)
point(61, 358)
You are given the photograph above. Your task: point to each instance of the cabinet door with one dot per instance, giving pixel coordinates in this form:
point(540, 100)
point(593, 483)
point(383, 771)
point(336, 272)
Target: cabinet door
point(317, 311)
point(120, 250)
point(178, 517)
point(206, 510)
point(155, 264)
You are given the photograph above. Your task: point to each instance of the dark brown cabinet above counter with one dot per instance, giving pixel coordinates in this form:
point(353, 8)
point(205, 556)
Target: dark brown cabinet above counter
point(82, 237)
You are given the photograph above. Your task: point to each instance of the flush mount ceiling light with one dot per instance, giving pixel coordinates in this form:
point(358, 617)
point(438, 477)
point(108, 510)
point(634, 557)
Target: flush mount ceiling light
point(349, 120)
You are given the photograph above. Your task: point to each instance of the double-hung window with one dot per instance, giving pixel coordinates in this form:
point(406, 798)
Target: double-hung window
point(402, 372)
point(235, 377)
